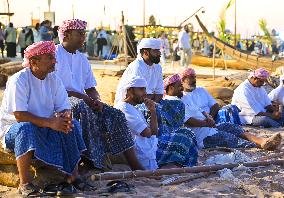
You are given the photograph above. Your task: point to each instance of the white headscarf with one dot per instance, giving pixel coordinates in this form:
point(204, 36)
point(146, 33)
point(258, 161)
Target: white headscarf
point(135, 81)
point(151, 43)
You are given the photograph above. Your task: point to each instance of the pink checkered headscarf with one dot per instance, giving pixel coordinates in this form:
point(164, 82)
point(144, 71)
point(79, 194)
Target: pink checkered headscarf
point(72, 24)
point(171, 79)
point(260, 73)
point(36, 49)
point(187, 72)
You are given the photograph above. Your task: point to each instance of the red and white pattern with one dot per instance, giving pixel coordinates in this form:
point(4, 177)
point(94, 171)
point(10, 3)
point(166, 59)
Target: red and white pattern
point(72, 24)
point(171, 79)
point(260, 73)
point(36, 49)
point(187, 72)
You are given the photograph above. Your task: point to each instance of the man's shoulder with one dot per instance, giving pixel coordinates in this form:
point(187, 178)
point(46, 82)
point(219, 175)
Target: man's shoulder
point(20, 75)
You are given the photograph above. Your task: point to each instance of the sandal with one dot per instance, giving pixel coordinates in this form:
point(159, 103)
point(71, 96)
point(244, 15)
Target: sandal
point(30, 190)
point(65, 189)
point(118, 186)
point(51, 190)
point(81, 185)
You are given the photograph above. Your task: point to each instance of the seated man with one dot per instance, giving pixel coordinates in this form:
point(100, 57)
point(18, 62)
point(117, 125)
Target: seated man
point(198, 95)
point(176, 144)
point(104, 128)
point(147, 66)
point(36, 121)
point(225, 135)
point(144, 135)
point(277, 94)
point(256, 107)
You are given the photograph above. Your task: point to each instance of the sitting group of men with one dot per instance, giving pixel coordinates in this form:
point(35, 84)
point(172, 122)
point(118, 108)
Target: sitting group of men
point(52, 112)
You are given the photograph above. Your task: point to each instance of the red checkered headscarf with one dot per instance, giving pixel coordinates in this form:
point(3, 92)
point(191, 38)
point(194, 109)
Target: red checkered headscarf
point(260, 73)
point(73, 24)
point(170, 80)
point(187, 72)
point(36, 49)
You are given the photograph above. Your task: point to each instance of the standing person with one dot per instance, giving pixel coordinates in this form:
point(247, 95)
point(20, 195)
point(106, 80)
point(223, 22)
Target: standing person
point(29, 38)
point(36, 122)
point(184, 46)
point(36, 33)
point(55, 37)
point(91, 43)
point(147, 66)
point(115, 43)
point(164, 48)
point(104, 128)
point(22, 41)
point(10, 40)
point(45, 31)
point(2, 38)
point(101, 42)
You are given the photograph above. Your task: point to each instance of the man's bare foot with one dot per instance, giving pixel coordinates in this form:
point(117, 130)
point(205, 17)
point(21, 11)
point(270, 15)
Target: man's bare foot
point(272, 143)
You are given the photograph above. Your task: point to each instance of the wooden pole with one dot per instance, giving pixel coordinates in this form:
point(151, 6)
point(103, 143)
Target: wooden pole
point(225, 63)
point(235, 41)
point(144, 23)
point(9, 16)
point(214, 51)
point(124, 38)
point(160, 172)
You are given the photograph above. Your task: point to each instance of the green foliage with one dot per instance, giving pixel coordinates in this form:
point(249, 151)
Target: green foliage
point(152, 20)
point(263, 26)
point(221, 26)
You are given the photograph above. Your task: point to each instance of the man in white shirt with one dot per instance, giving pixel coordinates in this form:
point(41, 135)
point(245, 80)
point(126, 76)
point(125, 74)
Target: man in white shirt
point(104, 128)
point(277, 94)
point(198, 95)
point(144, 134)
point(208, 135)
point(35, 119)
point(147, 66)
point(184, 46)
point(251, 98)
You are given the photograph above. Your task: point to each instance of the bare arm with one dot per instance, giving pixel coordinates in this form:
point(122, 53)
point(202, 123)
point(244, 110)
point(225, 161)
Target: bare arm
point(153, 130)
point(214, 110)
point(193, 122)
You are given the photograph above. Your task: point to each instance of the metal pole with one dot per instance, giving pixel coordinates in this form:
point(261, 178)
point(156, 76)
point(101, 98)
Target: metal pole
point(144, 19)
point(235, 23)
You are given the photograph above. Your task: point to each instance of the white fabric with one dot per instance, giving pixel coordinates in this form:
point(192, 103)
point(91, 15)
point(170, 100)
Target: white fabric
point(151, 43)
point(184, 40)
point(201, 98)
point(250, 100)
point(149, 164)
point(134, 81)
point(152, 74)
point(193, 111)
point(277, 94)
point(74, 70)
point(145, 147)
point(25, 92)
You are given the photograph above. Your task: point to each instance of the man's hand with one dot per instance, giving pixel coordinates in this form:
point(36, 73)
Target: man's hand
point(276, 115)
point(96, 105)
point(61, 124)
point(210, 122)
point(150, 104)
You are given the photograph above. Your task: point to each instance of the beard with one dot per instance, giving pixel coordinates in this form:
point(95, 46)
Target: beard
point(154, 59)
